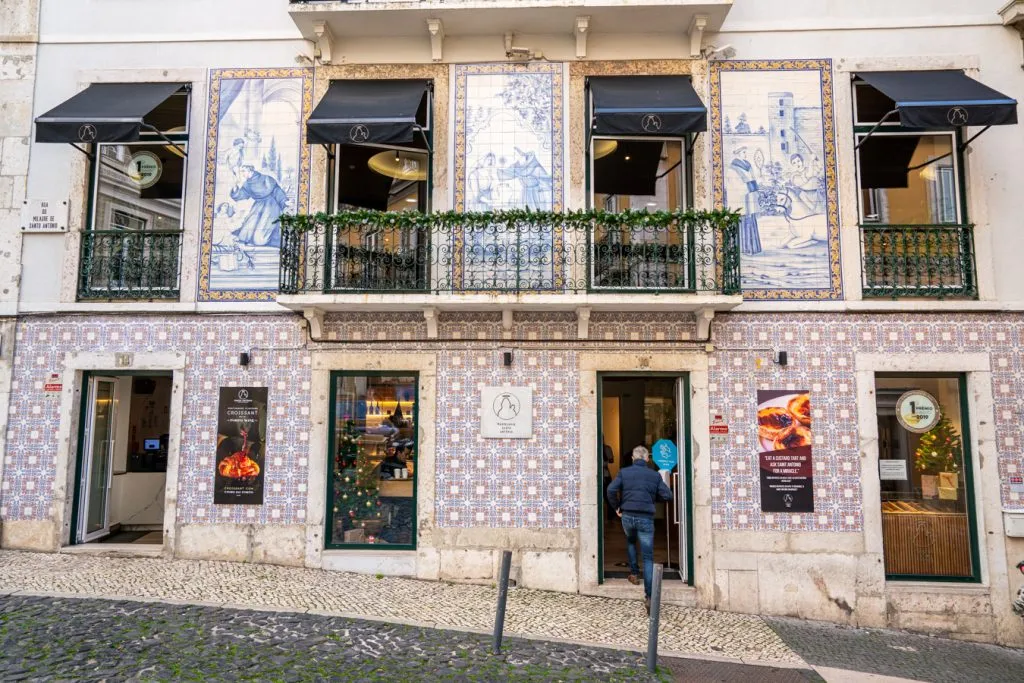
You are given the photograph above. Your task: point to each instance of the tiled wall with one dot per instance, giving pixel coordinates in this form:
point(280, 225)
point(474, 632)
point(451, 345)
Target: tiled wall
point(530, 483)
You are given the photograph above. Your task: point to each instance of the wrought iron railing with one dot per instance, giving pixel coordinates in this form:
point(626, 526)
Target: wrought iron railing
point(510, 252)
point(918, 261)
point(127, 264)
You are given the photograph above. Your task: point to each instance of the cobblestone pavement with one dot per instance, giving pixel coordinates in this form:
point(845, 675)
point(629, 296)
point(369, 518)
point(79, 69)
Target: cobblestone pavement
point(601, 621)
point(83, 639)
point(899, 654)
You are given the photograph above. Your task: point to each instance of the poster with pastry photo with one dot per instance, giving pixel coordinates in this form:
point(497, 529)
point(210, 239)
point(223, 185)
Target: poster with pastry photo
point(240, 461)
point(784, 451)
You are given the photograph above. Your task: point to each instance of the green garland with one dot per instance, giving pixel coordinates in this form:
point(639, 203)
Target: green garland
point(719, 220)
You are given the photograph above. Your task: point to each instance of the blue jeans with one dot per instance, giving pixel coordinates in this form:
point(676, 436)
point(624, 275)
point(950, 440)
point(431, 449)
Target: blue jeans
point(642, 528)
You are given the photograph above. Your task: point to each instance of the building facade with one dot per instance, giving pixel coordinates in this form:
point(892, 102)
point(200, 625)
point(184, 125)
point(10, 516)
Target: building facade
point(416, 372)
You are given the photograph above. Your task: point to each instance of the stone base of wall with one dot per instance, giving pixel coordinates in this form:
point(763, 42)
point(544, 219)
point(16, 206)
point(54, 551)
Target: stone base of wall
point(29, 534)
point(284, 545)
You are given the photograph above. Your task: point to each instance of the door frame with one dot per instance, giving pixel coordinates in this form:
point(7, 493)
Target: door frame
point(76, 369)
point(83, 476)
point(686, 461)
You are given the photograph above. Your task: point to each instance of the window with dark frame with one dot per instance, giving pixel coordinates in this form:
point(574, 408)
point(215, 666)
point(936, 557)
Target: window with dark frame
point(373, 460)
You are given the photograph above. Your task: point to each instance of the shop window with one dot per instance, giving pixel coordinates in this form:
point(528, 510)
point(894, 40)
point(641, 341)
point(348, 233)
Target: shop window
point(631, 174)
point(373, 461)
point(909, 179)
point(927, 499)
point(134, 241)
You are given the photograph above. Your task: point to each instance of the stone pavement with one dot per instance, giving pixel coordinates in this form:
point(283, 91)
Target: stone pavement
point(249, 621)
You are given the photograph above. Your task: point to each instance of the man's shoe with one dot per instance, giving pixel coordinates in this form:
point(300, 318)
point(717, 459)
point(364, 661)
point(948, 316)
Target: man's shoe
point(633, 579)
point(647, 606)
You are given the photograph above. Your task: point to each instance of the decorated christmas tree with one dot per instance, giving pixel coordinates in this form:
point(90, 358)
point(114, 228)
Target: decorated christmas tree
point(356, 502)
point(939, 449)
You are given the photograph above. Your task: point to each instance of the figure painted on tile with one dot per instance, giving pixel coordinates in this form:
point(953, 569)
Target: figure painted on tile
point(742, 194)
point(534, 181)
point(235, 159)
point(260, 226)
point(802, 198)
point(482, 180)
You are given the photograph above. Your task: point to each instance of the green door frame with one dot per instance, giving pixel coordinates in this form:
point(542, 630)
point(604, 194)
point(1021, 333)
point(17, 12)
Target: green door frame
point(687, 462)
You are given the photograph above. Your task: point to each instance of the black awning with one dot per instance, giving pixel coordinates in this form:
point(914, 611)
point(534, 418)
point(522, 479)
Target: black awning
point(942, 99)
point(665, 106)
point(103, 112)
point(368, 111)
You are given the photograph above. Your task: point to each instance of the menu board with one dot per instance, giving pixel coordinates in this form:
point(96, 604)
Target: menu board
point(240, 462)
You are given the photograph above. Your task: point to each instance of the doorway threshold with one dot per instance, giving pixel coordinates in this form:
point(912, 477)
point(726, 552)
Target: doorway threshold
point(679, 594)
point(116, 549)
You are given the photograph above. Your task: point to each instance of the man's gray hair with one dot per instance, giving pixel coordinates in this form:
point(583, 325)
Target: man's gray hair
point(641, 453)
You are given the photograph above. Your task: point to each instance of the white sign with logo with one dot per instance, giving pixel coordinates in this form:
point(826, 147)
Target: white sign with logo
point(506, 412)
point(917, 411)
point(44, 215)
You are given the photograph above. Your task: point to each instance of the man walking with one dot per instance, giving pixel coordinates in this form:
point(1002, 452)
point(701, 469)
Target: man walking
point(632, 495)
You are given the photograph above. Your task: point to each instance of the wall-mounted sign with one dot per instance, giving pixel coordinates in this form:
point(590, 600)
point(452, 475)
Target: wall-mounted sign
point(44, 215)
point(892, 469)
point(506, 412)
point(53, 385)
point(784, 432)
point(718, 429)
point(144, 169)
point(123, 359)
point(241, 447)
point(665, 454)
point(917, 411)
point(1016, 483)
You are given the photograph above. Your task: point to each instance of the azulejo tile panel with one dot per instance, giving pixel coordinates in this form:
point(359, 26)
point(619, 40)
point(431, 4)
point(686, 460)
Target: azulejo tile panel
point(822, 351)
point(257, 168)
point(212, 346)
point(773, 152)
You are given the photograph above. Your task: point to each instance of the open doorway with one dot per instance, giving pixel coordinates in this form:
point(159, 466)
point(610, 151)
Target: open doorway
point(121, 473)
point(649, 411)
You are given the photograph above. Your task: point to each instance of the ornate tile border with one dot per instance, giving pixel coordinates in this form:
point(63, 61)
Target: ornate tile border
point(209, 175)
point(823, 67)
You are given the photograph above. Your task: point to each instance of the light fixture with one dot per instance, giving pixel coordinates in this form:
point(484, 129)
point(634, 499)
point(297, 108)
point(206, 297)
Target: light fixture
point(603, 148)
point(399, 165)
point(175, 149)
point(626, 157)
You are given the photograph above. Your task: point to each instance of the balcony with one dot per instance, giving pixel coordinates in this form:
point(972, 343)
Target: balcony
point(528, 260)
point(926, 261)
point(129, 265)
point(323, 21)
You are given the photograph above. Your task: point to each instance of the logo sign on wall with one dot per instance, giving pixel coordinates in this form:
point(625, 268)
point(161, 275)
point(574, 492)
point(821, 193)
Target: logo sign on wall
point(784, 434)
point(241, 447)
point(665, 454)
point(917, 411)
point(506, 412)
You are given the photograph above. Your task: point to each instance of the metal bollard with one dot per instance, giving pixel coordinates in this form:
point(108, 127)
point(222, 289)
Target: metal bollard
point(499, 618)
point(652, 632)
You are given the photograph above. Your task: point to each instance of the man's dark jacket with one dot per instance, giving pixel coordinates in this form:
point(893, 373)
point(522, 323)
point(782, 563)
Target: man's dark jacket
point(639, 487)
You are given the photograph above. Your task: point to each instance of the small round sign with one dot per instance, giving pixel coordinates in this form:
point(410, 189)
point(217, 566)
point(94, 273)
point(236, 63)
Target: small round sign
point(144, 169)
point(917, 411)
point(665, 454)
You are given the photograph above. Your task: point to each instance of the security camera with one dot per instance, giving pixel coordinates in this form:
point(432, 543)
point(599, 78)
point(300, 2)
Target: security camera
point(714, 53)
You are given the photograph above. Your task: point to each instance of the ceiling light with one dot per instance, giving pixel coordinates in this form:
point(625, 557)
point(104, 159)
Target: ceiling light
point(603, 148)
point(402, 166)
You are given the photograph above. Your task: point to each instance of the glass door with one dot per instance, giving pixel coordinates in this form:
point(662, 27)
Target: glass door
point(680, 499)
point(97, 459)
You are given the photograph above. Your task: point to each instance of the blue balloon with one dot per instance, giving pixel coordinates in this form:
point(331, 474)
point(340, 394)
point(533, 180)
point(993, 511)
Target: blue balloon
point(665, 454)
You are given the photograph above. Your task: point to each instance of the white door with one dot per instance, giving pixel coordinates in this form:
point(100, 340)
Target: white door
point(680, 503)
point(97, 459)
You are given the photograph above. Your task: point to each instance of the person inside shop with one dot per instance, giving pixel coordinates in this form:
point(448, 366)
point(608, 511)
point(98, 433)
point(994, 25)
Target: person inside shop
point(396, 459)
point(633, 495)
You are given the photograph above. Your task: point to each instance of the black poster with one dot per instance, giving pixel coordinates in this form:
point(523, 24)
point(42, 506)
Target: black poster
point(241, 432)
point(784, 453)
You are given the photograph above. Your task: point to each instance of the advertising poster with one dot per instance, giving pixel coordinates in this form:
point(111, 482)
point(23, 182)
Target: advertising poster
point(784, 438)
point(241, 428)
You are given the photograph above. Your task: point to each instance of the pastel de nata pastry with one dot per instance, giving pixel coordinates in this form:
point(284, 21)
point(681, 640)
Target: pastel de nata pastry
point(795, 437)
point(800, 407)
point(772, 422)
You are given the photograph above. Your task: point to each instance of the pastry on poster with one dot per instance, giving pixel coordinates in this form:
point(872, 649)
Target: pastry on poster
point(239, 465)
point(784, 421)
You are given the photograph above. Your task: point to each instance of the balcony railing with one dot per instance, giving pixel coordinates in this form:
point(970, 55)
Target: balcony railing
point(510, 252)
point(125, 264)
point(918, 261)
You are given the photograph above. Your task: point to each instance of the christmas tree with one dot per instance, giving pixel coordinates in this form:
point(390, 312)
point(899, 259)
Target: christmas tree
point(939, 449)
point(356, 502)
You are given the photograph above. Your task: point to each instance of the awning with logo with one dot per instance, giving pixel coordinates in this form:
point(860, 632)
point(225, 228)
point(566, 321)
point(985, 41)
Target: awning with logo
point(104, 112)
point(369, 111)
point(942, 99)
point(663, 106)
